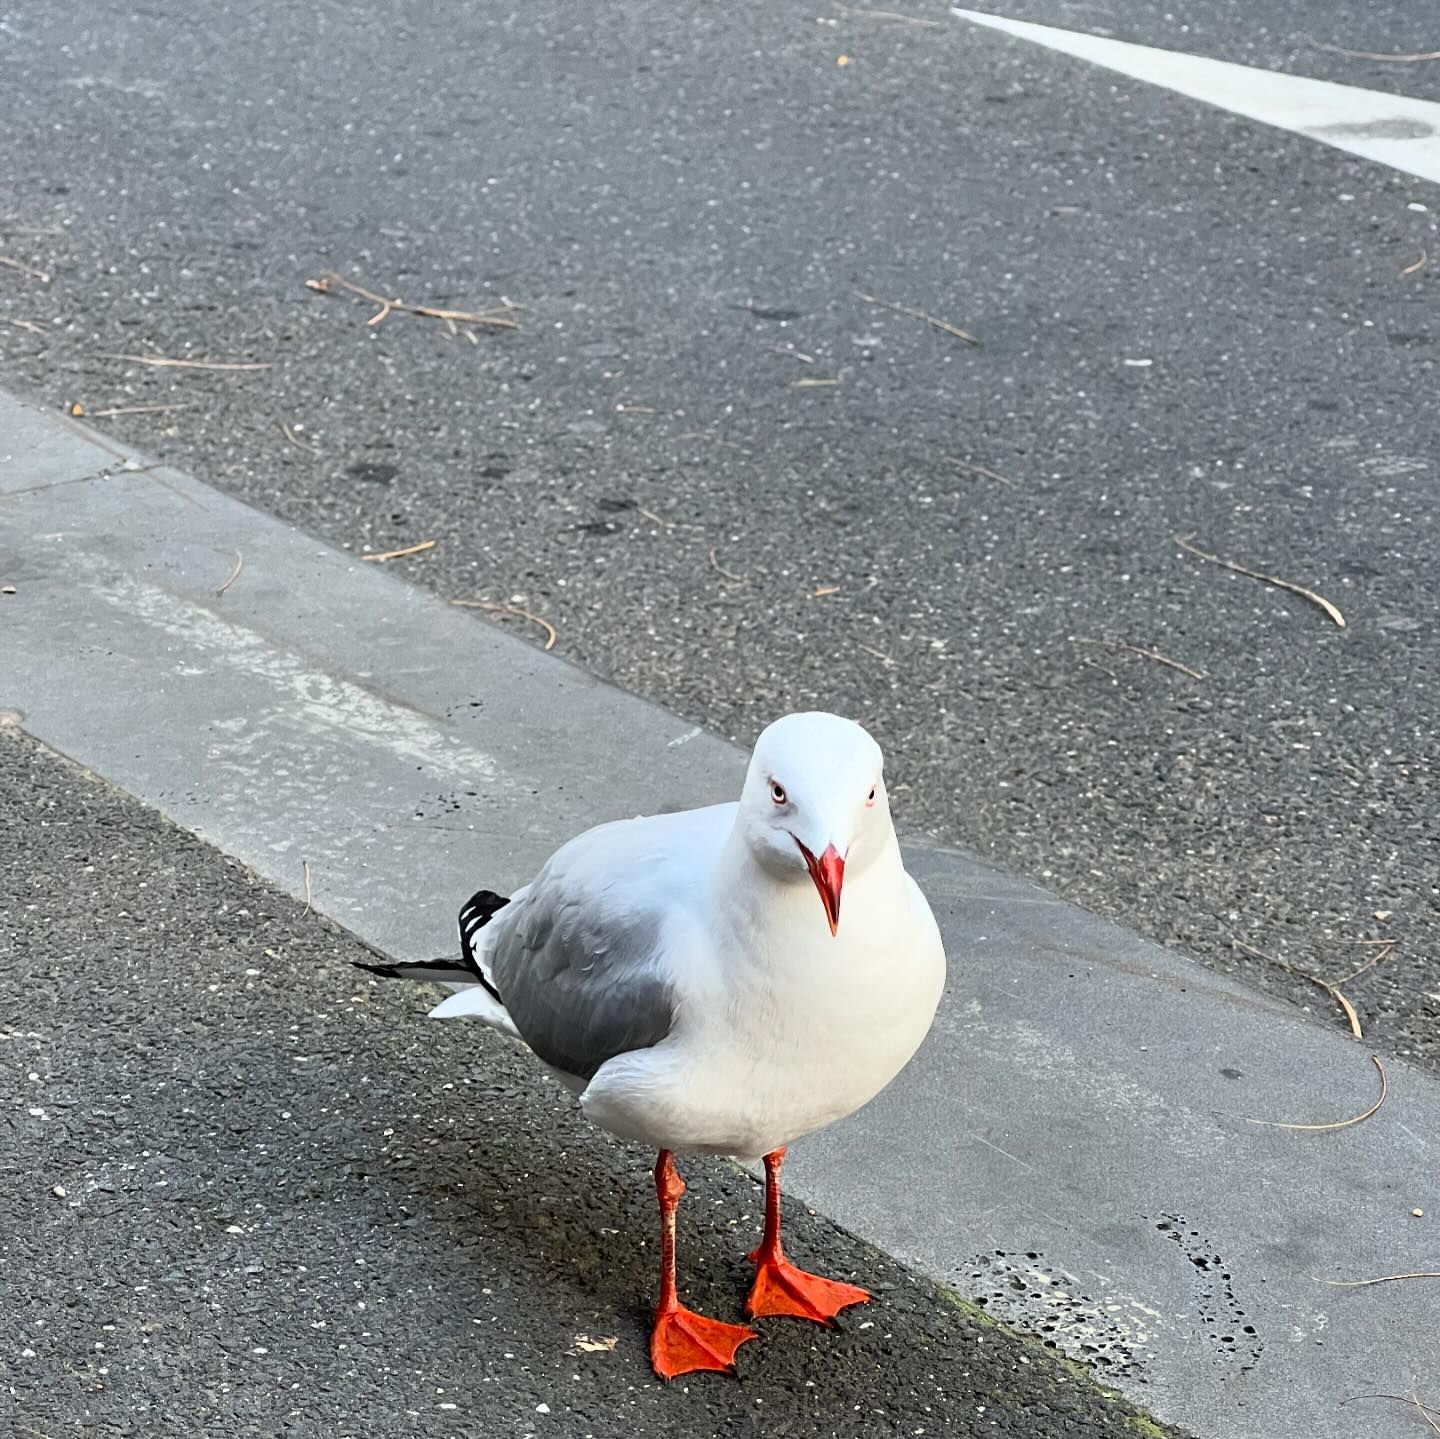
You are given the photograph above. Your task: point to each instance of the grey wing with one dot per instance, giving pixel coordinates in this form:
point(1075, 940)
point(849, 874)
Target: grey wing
point(580, 979)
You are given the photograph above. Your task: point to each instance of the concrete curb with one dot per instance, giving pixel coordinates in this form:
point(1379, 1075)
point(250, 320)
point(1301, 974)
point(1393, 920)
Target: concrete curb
point(1068, 1148)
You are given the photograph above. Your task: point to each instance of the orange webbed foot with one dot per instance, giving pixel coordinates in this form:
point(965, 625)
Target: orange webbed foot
point(781, 1288)
point(684, 1342)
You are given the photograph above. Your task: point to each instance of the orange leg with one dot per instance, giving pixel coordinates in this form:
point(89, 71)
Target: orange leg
point(683, 1341)
point(781, 1288)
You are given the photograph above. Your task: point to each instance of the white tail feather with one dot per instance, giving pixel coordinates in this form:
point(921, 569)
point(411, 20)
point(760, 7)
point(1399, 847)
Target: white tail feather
point(476, 1001)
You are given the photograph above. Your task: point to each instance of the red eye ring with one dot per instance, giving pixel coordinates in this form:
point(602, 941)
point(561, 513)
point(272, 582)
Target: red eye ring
point(777, 792)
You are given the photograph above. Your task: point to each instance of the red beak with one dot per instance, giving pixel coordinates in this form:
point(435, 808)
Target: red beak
point(828, 872)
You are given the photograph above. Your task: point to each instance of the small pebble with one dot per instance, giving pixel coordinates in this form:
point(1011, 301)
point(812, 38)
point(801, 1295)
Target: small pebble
point(1418, 1213)
point(59, 1193)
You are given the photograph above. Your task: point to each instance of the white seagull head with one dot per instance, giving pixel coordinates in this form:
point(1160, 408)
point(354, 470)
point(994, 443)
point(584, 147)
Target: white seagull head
point(814, 802)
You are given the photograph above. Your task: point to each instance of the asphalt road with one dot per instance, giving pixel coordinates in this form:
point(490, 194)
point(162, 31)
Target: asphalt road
point(248, 1191)
point(1190, 326)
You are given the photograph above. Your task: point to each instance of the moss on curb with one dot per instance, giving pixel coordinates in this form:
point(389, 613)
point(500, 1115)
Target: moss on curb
point(1135, 1419)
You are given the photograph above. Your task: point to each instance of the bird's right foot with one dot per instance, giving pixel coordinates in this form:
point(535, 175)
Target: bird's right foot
point(683, 1342)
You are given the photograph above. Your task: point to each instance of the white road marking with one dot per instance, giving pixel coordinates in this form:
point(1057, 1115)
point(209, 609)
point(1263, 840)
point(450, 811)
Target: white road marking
point(1396, 130)
point(311, 700)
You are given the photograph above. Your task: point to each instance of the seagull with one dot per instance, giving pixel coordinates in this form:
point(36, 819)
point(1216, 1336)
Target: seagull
point(677, 974)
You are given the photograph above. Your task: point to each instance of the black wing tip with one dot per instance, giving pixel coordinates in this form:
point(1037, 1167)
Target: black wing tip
point(481, 908)
point(475, 914)
point(385, 971)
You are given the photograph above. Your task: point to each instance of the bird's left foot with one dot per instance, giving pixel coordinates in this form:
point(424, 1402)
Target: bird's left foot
point(781, 1288)
point(684, 1342)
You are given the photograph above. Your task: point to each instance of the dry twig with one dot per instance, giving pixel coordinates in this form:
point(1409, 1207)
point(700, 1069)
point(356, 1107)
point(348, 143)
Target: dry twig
point(977, 470)
point(812, 384)
point(305, 869)
point(26, 325)
point(879, 654)
point(793, 354)
point(1148, 654)
point(1269, 580)
point(133, 410)
point(661, 520)
point(1418, 265)
point(822, 590)
point(495, 608)
point(161, 362)
point(1383, 953)
point(25, 269)
point(400, 554)
point(234, 574)
point(720, 569)
point(1383, 1279)
point(920, 315)
point(1403, 1398)
point(324, 284)
point(295, 439)
point(1341, 1123)
point(1313, 978)
point(1424, 1409)
point(1402, 59)
point(890, 15)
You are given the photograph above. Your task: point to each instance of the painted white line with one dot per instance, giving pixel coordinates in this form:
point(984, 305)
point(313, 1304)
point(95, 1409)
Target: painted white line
point(1396, 130)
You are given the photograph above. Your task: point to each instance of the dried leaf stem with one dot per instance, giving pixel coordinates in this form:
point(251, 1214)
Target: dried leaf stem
point(661, 520)
point(1402, 1398)
point(295, 439)
point(25, 269)
point(1386, 949)
point(1338, 1124)
point(1269, 580)
point(496, 608)
point(721, 570)
point(1314, 979)
point(161, 362)
point(1148, 654)
point(1411, 58)
point(977, 470)
point(890, 15)
point(234, 574)
point(920, 315)
point(380, 559)
point(324, 284)
point(1382, 1279)
point(132, 410)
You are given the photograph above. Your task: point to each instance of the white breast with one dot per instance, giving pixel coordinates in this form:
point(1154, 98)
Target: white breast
point(789, 1031)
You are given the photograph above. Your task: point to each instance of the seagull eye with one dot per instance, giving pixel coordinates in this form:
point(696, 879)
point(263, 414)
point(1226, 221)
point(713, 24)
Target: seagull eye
point(870, 798)
point(777, 792)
